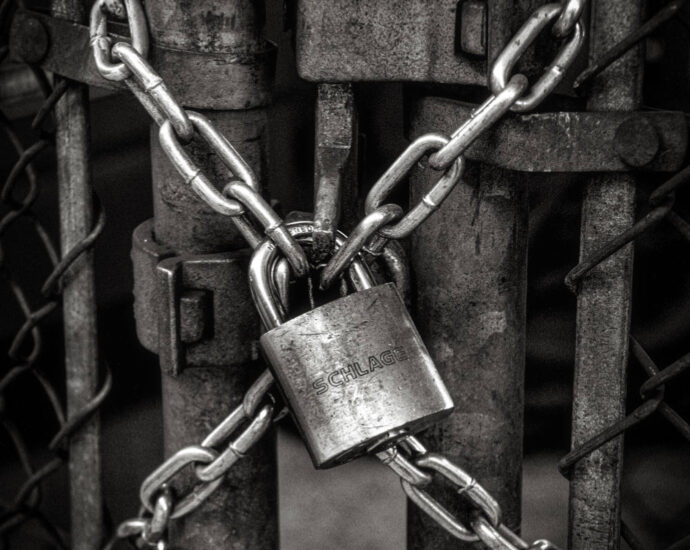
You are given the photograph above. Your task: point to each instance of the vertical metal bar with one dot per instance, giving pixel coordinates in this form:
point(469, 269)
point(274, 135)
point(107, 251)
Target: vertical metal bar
point(335, 166)
point(603, 302)
point(242, 513)
point(469, 264)
point(79, 300)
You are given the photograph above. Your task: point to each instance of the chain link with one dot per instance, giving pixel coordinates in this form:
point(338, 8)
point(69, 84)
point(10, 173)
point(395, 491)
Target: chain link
point(179, 126)
point(382, 223)
point(361, 235)
point(570, 16)
point(516, 47)
point(101, 43)
point(416, 466)
point(209, 461)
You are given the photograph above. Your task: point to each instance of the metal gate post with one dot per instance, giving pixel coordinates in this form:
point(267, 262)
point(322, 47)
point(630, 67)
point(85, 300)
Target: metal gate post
point(603, 302)
point(469, 264)
point(214, 56)
point(79, 300)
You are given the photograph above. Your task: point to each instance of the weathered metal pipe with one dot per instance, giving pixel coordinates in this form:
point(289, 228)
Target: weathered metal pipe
point(186, 34)
point(603, 302)
point(469, 263)
point(79, 300)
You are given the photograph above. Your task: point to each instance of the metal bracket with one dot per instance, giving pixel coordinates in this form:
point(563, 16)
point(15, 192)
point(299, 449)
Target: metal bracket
point(198, 80)
point(335, 166)
point(444, 41)
point(193, 310)
point(566, 141)
point(413, 40)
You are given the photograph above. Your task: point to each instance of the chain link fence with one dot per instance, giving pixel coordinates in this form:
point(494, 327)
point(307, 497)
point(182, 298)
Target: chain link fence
point(21, 188)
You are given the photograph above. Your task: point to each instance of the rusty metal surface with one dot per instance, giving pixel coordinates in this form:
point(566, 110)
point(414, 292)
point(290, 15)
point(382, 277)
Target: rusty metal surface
point(242, 512)
point(603, 302)
point(79, 300)
point(335, 165)
point(198, 75)
point(231, 65)
point(607, 141)
point(206, 296)
point(469, 262)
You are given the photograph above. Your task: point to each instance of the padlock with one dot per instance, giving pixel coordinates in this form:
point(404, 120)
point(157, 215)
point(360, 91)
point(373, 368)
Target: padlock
point(354, 372)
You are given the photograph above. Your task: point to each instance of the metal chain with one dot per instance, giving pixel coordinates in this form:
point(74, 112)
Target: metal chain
point(179, 126)
point(510, 92)
point(230, 441)
point(19, 192)
point(416, 467)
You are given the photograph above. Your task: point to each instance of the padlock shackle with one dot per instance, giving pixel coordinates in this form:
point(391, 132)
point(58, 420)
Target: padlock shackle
point(261, 271)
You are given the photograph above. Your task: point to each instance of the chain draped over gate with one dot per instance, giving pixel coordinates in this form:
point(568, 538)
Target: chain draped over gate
point(222, 448)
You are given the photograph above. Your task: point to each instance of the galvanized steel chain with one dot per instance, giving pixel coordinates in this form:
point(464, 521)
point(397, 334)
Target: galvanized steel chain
point(383, 222)
point(179, 126)
point(230, 441)
point(416, 466)
point(510, 92)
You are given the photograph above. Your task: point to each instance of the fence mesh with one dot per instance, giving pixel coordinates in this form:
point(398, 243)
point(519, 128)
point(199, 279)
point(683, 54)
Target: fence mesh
point(661, 204)
point(20, 190)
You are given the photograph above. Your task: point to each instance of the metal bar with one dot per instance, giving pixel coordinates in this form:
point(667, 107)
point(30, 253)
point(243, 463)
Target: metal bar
point(469, 262)
point(79, 300)
point(335, 166)
point(242, 513)
point(603, 302)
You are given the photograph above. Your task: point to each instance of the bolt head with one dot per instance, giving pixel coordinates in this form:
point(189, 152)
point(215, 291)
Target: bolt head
point(636, 141)
point(29, 39)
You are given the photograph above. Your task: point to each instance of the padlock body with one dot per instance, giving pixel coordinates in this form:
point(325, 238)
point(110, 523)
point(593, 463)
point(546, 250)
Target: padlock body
point(355, 372)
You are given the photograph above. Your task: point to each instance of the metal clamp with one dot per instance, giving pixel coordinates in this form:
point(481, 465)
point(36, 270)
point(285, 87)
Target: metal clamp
point(193, 310)
point(654, 141)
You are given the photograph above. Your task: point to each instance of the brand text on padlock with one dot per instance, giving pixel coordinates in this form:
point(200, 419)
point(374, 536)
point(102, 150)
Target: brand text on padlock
point(357, 369)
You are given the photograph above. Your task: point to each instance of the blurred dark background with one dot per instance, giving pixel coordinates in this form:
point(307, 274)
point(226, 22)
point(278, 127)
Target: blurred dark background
point(655, 495)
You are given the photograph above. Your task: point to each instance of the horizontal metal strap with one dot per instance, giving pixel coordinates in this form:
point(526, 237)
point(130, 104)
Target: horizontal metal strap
point(565, 141)
point(197, 80)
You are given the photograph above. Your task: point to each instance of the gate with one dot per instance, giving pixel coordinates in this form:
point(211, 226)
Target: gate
point(569, 109)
